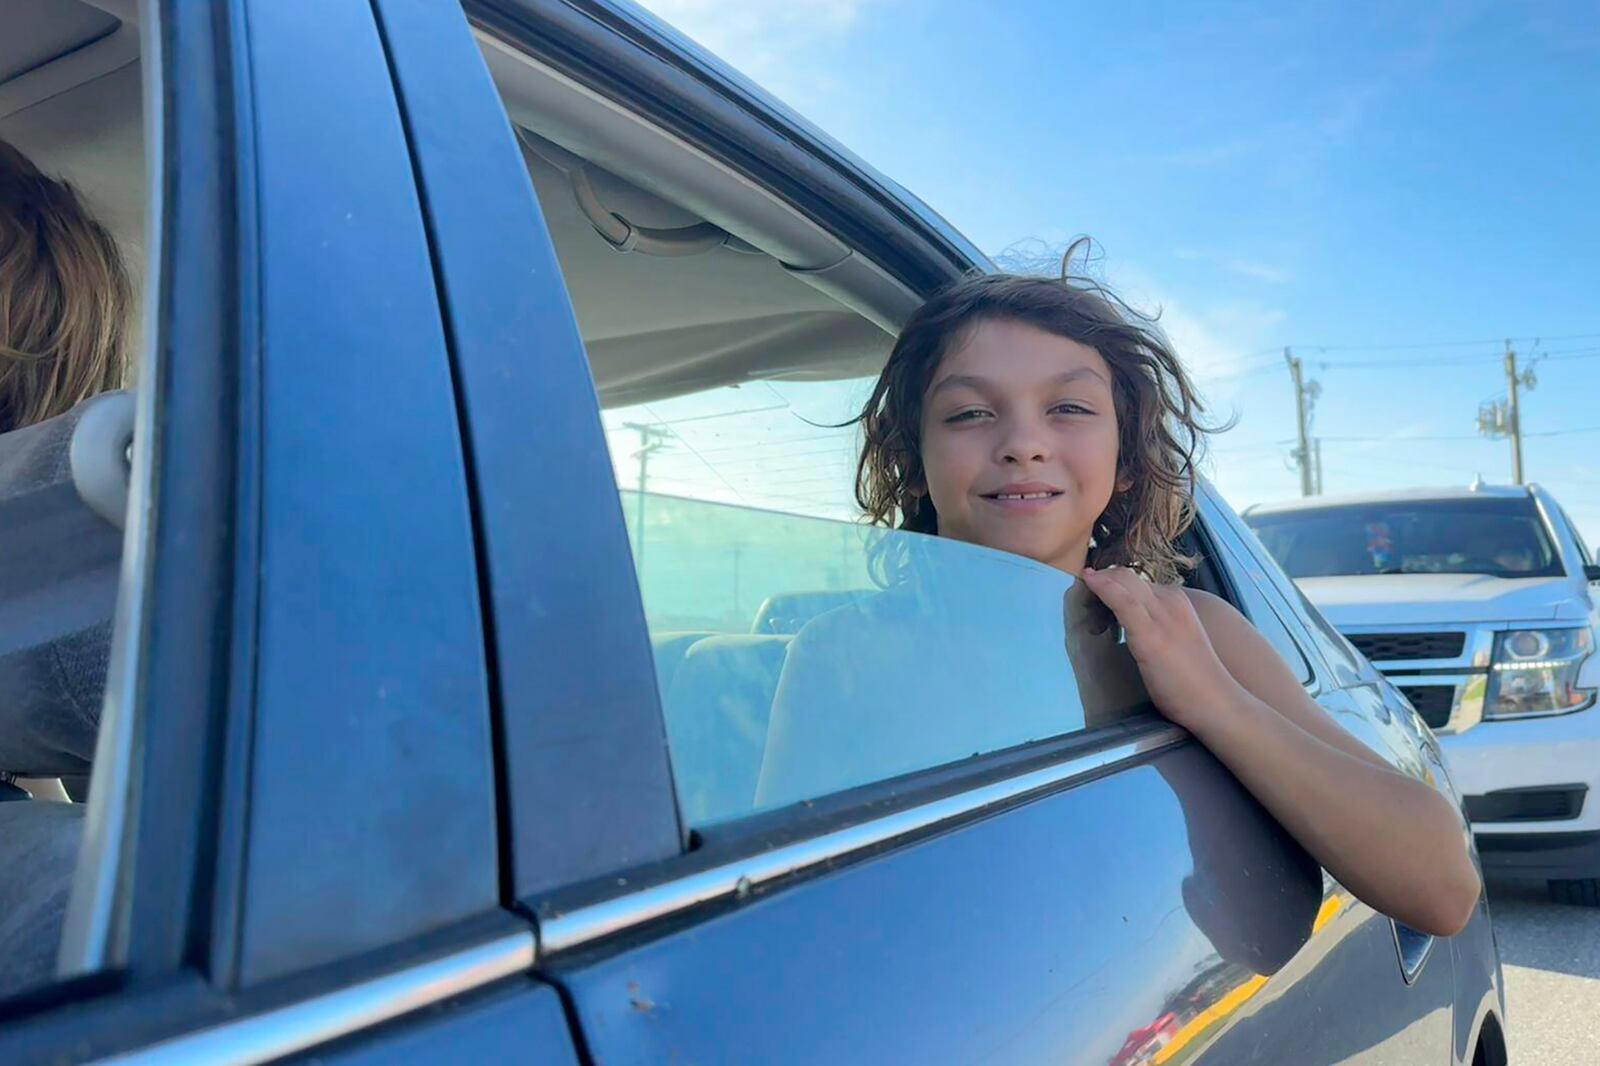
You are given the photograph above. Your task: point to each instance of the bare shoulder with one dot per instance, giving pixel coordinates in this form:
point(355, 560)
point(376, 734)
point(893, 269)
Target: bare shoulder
point(1245, 651)
point(1220, 617)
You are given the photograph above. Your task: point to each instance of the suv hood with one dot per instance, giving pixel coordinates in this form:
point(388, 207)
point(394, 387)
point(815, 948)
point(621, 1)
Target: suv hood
point(1424, 599)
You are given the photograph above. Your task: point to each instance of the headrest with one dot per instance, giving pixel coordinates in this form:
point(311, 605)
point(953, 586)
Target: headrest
point(788, 612)
point(63, 488)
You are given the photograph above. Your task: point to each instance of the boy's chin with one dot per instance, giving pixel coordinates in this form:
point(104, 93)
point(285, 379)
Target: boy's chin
point(1040, 550)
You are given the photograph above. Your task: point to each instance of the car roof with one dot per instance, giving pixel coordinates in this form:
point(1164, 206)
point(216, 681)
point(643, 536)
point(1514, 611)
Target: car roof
point(1445, 492)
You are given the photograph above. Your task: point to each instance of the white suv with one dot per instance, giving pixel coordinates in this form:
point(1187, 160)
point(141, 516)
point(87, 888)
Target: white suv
point(1479, 604)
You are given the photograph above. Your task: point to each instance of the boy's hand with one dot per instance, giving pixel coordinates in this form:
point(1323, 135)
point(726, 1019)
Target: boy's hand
point(1186, 679)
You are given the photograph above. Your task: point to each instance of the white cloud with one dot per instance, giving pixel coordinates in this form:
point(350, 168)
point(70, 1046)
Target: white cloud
point(1245, 268)
point(1217, 342)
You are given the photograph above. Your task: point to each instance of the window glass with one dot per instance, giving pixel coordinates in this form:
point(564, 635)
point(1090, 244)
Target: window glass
point(799, 656)
point(1503, 537)
point(776, 445)
point(72, 204)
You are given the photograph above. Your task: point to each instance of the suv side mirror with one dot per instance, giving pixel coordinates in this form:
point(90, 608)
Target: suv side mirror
point(1591, 572)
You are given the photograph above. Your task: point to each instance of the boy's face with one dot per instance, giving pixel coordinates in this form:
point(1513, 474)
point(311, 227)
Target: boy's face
point(1018, 412)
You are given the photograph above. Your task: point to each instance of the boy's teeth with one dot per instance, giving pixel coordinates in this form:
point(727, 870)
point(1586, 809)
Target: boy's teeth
point(1023, 495)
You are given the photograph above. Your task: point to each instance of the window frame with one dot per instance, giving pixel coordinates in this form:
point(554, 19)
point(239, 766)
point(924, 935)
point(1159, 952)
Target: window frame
point(155, 774)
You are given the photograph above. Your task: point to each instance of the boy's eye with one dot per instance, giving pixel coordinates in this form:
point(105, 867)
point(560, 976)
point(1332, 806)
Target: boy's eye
point(1070, 407)
point(971, 414)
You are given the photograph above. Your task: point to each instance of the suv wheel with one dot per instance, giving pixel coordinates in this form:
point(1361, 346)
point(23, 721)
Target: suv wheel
point(1584, 892)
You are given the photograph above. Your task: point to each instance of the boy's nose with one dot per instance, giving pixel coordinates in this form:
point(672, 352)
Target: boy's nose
point(1024, 444)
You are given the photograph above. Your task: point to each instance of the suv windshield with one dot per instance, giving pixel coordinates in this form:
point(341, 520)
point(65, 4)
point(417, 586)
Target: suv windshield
point(1500, 536)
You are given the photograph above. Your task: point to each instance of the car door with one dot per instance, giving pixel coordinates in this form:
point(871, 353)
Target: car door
point(1047, 887)
point(292, 833)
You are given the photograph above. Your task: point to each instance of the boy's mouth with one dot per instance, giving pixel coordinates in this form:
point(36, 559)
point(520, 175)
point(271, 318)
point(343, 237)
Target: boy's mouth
point(1032, 492)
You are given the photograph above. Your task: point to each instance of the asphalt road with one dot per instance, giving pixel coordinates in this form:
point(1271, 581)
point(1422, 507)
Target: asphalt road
point(1550, 955)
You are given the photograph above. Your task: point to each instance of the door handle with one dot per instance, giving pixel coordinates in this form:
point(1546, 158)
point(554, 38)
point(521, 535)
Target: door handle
point(1413, 949)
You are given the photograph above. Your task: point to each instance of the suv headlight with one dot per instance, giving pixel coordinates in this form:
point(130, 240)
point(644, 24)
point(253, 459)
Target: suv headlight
point(1535, 671)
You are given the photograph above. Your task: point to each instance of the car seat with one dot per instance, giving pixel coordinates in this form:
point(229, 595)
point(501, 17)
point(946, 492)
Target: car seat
point(63, 491)
point(717, 712)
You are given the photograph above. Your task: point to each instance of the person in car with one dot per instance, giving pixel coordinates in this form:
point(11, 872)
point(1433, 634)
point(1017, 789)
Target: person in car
point(64, 298)
point(65, 301)
point(1045, 418)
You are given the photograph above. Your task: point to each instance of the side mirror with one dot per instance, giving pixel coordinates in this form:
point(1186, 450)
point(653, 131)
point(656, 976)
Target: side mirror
point(1591, 572)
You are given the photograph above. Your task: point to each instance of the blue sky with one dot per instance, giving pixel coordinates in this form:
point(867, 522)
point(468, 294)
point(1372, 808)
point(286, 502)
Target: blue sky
point(1355, 180)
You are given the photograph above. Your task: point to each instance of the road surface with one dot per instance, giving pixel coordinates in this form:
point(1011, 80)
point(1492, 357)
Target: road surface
point(1551, 958)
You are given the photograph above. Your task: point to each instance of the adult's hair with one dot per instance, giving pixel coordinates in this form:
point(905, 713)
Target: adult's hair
point(64, 298)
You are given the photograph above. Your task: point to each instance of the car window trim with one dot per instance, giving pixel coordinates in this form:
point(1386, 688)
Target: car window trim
point(1245, 558)
point(281, 1031)
point(1093, 754)
point(155, 796)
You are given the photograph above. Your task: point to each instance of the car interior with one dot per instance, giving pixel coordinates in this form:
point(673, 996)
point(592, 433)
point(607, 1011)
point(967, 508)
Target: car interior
point(70, 101)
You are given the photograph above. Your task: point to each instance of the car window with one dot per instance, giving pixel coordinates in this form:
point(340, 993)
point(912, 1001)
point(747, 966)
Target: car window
point(1499, 536)
point(799, 657)
point(77, 190)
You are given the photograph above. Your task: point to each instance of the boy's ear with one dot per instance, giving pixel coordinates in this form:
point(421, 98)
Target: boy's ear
point(1124, 482)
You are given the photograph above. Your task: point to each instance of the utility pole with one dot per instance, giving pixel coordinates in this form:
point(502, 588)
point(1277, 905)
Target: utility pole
point(1513, 415)
point(1503, 418)
point(1316, 459)
point(651, 438)
point(1304, 396)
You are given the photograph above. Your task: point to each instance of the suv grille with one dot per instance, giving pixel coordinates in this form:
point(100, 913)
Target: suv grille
point(1391, 647)
point(1433, 702)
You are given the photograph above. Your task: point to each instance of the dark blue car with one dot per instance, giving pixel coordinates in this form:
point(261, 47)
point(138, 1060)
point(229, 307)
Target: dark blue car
point(476, 656)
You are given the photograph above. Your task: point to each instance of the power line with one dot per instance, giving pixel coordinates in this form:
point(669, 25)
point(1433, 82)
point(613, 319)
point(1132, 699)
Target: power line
point(698, 456)
point(1400, 440)
point(1569, 353)
point(1232, 374)
point(1266, 445)
point(1564, 432)
point(1558, 356)
point(1477, 437)
point(1532, 339)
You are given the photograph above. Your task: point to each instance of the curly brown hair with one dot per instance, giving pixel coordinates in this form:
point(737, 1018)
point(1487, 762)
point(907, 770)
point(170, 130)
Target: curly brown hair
point(1160, 432)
